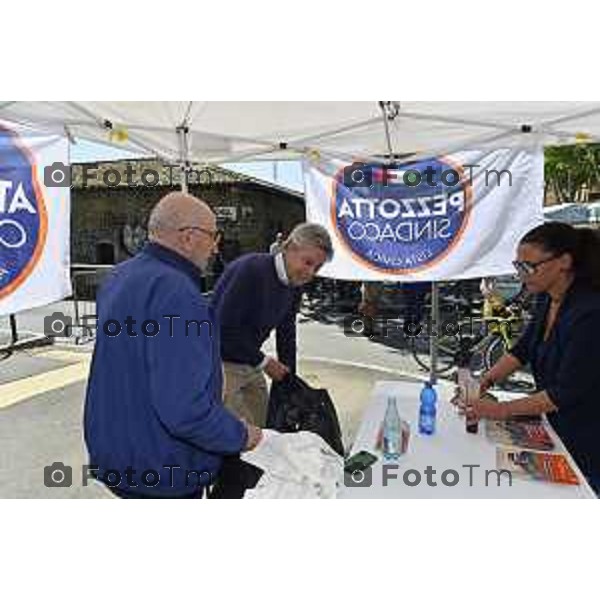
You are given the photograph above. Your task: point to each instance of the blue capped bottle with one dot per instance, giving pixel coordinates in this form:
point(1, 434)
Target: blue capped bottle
point(427, 409)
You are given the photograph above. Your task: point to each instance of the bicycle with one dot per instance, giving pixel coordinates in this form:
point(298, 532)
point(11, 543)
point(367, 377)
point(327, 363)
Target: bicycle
point(502, 331)
point(326, 297)
point(448, 347)
point(487, 346)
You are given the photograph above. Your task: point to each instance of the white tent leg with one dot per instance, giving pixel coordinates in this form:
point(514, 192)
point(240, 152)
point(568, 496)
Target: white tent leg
point(433, 338)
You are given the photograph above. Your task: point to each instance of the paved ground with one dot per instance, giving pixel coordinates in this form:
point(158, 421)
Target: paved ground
point(42, 391)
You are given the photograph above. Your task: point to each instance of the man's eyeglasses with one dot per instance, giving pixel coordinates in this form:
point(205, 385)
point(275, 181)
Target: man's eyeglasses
point(215, 235)
point(526, 267)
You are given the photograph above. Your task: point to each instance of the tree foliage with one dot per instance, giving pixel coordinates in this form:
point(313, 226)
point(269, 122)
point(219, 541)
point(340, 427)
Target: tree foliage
point(568, 169)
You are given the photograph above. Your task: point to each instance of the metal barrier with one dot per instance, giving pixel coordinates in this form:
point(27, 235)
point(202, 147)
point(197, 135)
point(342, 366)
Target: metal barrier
point(18, 343)
point(85, 281)
point(7, 350)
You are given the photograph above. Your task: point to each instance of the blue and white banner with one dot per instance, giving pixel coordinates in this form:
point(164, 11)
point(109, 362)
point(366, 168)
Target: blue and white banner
point(442, 218)
point(34, 221)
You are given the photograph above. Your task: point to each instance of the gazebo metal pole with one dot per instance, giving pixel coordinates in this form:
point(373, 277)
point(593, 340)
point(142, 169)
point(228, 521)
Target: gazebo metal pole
point(433, 331)
point(183, 131)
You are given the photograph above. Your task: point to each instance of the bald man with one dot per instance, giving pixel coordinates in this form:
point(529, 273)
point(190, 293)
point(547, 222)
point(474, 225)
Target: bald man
point(155, 424)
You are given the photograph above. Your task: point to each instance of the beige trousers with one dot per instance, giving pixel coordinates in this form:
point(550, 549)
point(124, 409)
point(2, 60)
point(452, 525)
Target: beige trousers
point(245, 392)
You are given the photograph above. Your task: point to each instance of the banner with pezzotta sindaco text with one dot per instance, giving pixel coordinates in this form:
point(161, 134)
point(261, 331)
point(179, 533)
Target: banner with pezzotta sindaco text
point(440, 218)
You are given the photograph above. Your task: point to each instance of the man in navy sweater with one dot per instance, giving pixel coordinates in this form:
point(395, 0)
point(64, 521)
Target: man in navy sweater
point(256, 294)
point(155, 424)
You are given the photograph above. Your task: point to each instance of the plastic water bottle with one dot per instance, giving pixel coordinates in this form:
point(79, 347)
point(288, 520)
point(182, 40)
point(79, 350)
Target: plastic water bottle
point(391, 431)
point(427, 410)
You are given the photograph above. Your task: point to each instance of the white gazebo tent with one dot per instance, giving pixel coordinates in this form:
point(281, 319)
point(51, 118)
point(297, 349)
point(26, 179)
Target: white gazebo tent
point(237, 131)
point(203, 132)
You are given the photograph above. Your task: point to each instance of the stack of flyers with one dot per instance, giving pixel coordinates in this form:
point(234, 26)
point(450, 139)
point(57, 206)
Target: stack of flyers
point(531, 435)
point(543, 466)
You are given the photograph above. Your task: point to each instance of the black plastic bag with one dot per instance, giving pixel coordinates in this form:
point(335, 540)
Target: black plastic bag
point(234, 478)
point(295, 406)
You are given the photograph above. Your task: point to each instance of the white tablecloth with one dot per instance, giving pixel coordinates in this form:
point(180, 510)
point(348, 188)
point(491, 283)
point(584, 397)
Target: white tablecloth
point(449, 448)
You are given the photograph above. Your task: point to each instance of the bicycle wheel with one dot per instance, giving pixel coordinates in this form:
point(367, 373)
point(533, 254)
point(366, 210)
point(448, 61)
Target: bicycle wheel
point(494, 351)
point(446, 351)
point(5, 353)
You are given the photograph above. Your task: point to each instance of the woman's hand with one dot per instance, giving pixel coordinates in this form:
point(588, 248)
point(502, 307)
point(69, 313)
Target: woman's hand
point(486, 408)
point(485, 384)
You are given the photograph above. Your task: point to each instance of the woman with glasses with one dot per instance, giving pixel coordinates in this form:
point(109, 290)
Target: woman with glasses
point(561, 264)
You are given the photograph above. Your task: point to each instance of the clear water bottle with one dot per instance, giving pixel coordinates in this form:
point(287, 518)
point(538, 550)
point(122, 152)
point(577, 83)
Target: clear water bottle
point(427, 410)
point(391, 431)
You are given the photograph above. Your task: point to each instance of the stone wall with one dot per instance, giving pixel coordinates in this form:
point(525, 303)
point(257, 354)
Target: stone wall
point(110, 221)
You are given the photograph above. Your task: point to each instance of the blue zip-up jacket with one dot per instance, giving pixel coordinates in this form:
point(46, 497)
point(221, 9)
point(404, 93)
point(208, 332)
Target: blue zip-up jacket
point(154, 399)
